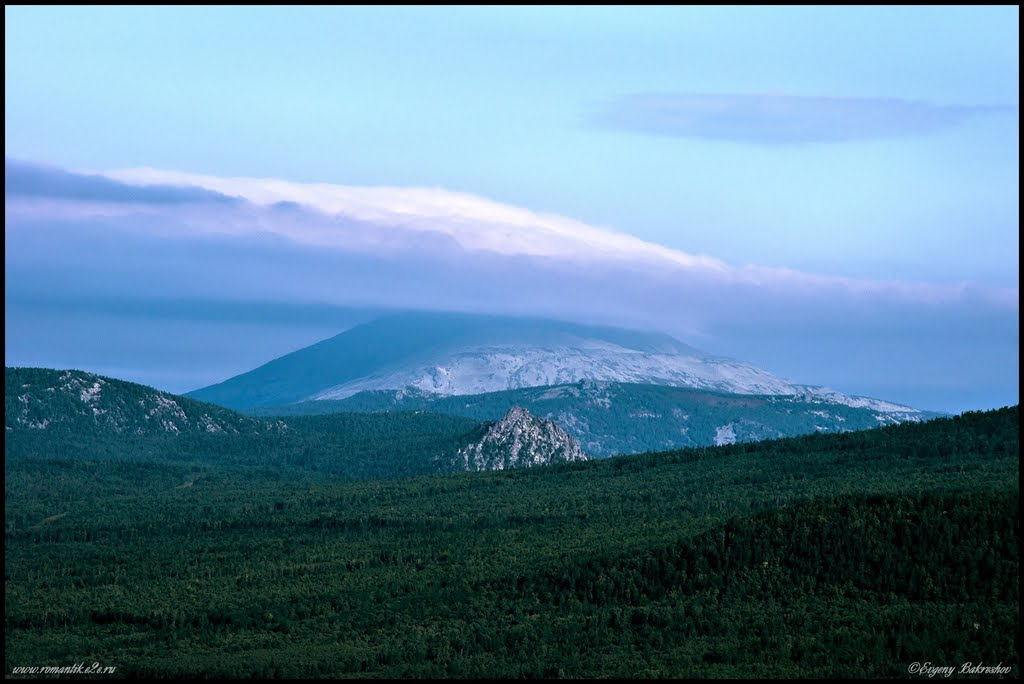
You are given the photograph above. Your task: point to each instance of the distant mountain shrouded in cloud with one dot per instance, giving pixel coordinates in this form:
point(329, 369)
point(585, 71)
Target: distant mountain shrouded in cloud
point(315, 250)
point(774, 118)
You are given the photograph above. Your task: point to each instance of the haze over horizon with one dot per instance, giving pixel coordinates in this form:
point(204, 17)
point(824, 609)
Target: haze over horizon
point(828, 193)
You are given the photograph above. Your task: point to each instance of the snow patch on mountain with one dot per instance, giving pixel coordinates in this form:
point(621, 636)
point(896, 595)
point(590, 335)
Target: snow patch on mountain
point(90, 393)
point(725, 434)
point(168, 411)
point(831, 396)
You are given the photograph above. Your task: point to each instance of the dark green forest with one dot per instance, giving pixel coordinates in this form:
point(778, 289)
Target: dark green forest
point(50, 416)
point(840, 556)
point(346, 445)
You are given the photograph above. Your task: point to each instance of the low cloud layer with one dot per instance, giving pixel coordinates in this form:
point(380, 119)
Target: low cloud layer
point(27, 180)
point(473, 222)
point(306, 250)
point(382, 220)
point(773, 118)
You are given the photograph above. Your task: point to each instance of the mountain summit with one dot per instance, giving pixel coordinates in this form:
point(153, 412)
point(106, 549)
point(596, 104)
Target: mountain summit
point(519, 440)
point(462, 354)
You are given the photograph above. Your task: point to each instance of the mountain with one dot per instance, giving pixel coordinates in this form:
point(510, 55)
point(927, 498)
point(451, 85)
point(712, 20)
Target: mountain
point(617, 391)
point(623, 418)
point(453, 354)
point(74, 401)
point(457, 354)
point(519, 440)
point(74, 414)
point(77, 415)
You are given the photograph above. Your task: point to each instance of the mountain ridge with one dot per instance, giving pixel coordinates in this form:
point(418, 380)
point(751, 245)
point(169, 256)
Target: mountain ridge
point(466, 354)
point(48, 399)
point(80, 415)
point(622, 418)
point(396, 341)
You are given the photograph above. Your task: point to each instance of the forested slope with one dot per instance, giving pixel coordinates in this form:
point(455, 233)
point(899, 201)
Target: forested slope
point(79, 416)
point(847, 555)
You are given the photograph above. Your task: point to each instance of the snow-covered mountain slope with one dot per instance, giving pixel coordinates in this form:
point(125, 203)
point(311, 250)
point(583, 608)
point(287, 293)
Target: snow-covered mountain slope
point(825, 395)
point(460, 354)
point(492, 368)
point(421, 357)
point(518, 440)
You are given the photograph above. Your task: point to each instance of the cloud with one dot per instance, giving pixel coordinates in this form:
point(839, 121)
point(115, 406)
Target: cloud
point(28, 180)
point(371, 218)
point(773, 118)
point(329, 248)
point(475, 223)
point(395, 222)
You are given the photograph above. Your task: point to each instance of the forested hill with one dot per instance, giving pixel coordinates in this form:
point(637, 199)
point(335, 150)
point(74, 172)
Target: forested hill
point(73, 414)
point(77, 415)
point(74, 401)
point(824, 556)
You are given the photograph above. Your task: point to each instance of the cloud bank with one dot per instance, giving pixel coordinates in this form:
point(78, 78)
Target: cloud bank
point(773, 118)
point(27, 180)
point(146, 237)
point(356, 218)
point(474, 223)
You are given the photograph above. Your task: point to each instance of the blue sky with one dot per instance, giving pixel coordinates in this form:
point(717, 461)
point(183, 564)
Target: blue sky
point(859, 145)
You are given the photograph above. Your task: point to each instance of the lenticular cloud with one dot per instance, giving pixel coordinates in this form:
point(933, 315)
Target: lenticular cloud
point(474, 222)
point(340, 216)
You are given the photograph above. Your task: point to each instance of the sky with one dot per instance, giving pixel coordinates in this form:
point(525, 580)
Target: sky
point(831, 193)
